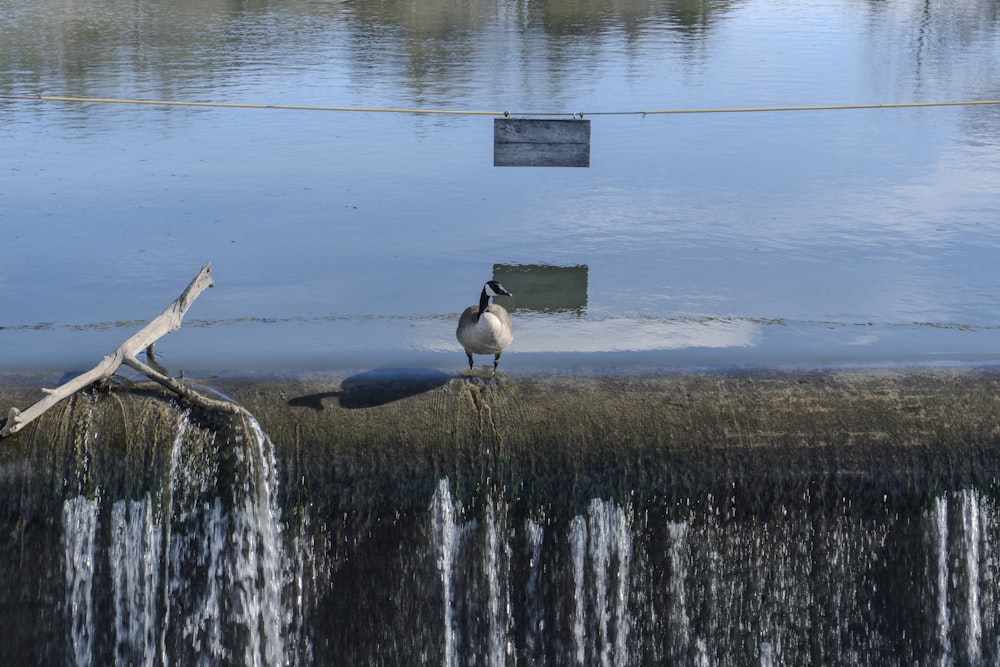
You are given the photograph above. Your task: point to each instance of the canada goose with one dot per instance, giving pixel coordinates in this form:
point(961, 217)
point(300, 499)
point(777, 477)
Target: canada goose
point(486, 328)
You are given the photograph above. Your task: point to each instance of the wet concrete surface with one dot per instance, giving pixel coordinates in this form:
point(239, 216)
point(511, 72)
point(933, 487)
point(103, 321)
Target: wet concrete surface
point(388, 435)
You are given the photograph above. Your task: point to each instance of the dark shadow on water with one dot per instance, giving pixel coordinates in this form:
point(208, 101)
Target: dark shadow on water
point(377, 387)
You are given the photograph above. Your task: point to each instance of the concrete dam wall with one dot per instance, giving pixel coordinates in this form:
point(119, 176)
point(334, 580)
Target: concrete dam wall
point(407, 516)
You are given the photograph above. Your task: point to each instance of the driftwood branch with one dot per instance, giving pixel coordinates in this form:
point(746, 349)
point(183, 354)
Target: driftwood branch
point(169, 320)
point(184, 391)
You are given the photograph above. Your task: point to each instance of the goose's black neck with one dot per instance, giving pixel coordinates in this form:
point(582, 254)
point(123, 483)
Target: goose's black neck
point(484, 300)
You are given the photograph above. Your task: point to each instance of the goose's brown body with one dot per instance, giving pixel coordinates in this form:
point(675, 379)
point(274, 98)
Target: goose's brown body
point(486, 328)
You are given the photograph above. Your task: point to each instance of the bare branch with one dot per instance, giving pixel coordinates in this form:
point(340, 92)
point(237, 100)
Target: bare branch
point(169, 320)
point(184, 390)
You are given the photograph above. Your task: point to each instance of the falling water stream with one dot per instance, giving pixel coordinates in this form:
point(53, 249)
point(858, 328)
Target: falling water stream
point(616, 587)
point(195, 578)
point(210, 571)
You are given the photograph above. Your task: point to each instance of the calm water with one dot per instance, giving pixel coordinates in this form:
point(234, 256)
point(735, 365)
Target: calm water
point(344, 238)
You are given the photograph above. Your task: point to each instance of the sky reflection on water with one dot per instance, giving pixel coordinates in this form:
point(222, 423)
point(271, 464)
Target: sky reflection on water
point(739, 237)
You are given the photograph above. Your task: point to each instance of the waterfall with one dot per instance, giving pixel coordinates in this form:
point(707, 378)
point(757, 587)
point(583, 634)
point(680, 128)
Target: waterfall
point(474, 563)
point(135, 570)
point(972, 511)
point(677, 618)
point(446, 538)
point(534, 621)
point(240, 549)
point(958, 539)
point(578, 547)
point(203, 569)
point(79, 532)
point(770, 589)
point(600, 626)
point(258, 570)
point(497, 552)
point(196, 577)
point(939, 540)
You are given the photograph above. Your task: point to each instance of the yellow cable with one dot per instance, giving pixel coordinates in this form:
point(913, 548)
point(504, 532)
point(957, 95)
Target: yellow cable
point(304, 107)
point(236, 105)
point(826, 107)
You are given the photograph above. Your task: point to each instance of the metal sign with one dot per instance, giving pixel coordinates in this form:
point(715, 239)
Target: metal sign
point(533, 142)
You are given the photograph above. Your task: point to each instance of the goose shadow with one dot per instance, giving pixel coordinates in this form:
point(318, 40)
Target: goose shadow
point(377, 387)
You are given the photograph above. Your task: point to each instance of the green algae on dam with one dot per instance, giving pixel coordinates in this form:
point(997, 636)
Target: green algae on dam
point(658, 437)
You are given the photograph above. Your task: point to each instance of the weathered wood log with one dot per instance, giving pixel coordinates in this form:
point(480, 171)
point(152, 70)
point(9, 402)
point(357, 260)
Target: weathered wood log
point(169, 320)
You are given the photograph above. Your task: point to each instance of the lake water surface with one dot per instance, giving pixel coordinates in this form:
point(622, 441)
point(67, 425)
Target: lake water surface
point(348, 238)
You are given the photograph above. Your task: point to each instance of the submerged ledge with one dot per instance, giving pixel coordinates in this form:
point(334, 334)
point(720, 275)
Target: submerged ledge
point(566, 341)
point(383, 438)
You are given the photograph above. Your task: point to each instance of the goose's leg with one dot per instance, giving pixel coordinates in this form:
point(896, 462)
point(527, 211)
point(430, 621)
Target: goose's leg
point(496, 361)
point(470, 360)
